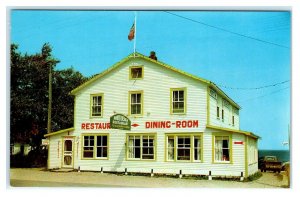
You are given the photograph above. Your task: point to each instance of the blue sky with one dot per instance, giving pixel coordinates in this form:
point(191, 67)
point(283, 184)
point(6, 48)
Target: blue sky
point(92, 41)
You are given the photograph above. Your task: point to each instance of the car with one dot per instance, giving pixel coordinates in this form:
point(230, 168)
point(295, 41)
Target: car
point(270, 163)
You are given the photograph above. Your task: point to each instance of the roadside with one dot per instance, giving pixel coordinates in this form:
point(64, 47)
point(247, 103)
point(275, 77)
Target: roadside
point(38, 177)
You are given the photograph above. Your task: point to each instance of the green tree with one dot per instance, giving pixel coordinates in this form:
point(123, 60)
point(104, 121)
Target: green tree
point(29, 95)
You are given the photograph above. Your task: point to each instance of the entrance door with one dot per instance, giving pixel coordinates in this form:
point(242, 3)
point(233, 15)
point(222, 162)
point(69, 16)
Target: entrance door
point(68, 153)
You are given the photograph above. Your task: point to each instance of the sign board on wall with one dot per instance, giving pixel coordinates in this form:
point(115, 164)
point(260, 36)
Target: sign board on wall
point(119, 121)
point(45, 142)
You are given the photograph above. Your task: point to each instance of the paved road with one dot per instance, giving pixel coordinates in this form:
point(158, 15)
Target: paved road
point(42, 178)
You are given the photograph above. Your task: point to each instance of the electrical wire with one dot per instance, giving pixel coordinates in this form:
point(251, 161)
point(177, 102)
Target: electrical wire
point(253, 88)
point(228, 31)
point(254, 98)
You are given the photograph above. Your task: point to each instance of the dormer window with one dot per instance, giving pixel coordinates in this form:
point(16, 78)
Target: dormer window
point(136, 72)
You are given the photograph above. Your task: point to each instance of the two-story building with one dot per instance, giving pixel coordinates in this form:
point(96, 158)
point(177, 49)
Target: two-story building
point(164, 121)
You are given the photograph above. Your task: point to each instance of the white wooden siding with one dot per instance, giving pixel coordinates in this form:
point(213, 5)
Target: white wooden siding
point(156, 86)
point(156, 92)
point(55, 152)
point(228, 113)
point(252, 156)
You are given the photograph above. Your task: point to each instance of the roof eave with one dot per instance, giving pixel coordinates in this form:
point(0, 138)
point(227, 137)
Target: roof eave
point(220, 91)
point(59, 132)
point(247, 133)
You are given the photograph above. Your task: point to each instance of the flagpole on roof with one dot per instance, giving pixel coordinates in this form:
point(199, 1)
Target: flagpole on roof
point(134, 43)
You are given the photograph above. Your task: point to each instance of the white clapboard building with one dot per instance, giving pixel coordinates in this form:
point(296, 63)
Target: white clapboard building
point(142, 115)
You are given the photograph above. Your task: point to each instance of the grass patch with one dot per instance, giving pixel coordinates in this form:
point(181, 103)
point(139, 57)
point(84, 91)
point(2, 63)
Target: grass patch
point(254, 177)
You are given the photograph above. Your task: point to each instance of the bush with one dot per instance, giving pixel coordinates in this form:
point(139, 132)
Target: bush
point(254, 176)
point(35, 158)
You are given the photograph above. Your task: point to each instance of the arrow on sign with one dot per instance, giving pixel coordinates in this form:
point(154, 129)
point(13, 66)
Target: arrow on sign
point(135, 125)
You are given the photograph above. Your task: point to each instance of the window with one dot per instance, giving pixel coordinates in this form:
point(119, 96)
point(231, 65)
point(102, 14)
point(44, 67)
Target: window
point(148, 147)
point(96, 105)
point(141, 147)
point(178, 101)
point(218, 112)
point(226, 103)
point(222, 114)
point(88, 147)
point(95, 146)
point(232, 120)
point(136, 103)
point(171, 149)
point(222, 145)
point(213, 93)
point(184, 148)
point(101, 147)
point(136, 72)
point(197, 148)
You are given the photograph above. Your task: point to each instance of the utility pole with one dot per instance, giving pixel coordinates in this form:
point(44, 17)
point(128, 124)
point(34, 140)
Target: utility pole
point(50, 100)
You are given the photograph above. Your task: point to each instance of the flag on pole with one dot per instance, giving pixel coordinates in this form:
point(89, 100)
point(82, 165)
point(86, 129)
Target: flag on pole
point(131, 32)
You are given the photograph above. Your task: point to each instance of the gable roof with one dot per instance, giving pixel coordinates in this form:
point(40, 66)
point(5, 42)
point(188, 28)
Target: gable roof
point(139, 55)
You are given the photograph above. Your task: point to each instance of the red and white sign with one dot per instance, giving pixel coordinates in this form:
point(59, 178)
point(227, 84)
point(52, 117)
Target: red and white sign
point(148, 125)
point(239, 142)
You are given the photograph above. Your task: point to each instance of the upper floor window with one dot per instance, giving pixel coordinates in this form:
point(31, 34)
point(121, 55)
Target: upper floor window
point(222, 114)
point(136, 72)
point(232, 120)
point(135, 103)
point(225, 103)
point(218, 112)
point(96, 105)
point(178, 101)
point(213, 93)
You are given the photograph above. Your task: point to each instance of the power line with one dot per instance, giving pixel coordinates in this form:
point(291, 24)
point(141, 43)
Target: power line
point(228, 31)
point(264, 95)
point(254, 88)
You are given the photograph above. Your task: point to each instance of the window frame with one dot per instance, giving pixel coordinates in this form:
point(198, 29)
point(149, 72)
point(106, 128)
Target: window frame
point(133, 67)
point(184, 89)
point(91, 105)
point(142, 102)
point(214, 135)
point(141, 135)
point(223, 115)
point(192, 146)
point(213, 93)
point(95, 146)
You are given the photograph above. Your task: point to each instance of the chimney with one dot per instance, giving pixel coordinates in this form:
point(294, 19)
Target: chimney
point(152, 55)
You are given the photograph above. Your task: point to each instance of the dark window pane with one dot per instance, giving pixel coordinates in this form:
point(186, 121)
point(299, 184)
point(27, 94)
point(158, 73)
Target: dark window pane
point(137, 142)
point(104, 140)
point(88, 154)
point(225, 144)
point(136, 73)
point(99, 140)
point(137, 152)
point(181, 95)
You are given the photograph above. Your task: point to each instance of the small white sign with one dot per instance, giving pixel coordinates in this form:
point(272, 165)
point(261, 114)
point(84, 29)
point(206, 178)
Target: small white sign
point(45, 142)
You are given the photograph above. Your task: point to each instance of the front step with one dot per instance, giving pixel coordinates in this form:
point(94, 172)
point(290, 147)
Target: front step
point(62, 170)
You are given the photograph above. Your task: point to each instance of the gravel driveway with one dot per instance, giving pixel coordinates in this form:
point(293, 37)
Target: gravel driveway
point(37, 177)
